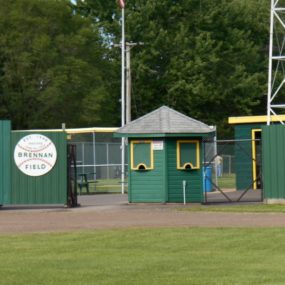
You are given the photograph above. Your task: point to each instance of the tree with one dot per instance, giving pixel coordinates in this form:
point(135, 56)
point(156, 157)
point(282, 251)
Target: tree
point(54, 66)
point(207, 59)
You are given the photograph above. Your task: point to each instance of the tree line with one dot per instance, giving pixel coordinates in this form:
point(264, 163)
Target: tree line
point(205, 58)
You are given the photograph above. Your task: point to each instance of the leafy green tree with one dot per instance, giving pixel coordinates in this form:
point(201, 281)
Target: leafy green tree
point(205, 58)
point(54, 66)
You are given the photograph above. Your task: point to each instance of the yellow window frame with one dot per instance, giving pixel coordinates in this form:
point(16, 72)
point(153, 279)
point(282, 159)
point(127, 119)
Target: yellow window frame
point(253, 149)
point(178, 152)
point(145, 167)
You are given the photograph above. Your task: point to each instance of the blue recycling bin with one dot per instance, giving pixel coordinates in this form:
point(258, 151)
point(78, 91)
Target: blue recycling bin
point(208, 179)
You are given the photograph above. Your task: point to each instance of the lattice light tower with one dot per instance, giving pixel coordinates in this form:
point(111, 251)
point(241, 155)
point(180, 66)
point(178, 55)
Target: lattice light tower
point(276, 70)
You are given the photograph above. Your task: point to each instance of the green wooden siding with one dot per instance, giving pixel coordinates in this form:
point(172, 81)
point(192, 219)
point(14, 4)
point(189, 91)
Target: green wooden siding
point(164, 182)
point(273, 158)
point(243, 155)
point(5, 169)
point(149, 185)
point(50, 188)
point(176, 176)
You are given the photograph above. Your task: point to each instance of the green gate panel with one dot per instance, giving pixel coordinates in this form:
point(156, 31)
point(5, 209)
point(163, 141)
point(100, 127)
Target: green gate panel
point(243, 155)
point(5, 169)
point(50, 188)
point(273, 161)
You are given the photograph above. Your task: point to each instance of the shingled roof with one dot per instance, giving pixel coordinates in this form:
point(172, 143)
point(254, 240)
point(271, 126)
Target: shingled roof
point(165, 120)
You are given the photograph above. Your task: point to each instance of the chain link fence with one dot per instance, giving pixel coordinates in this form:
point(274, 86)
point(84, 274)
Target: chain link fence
point(98, 159)
point(232, 171)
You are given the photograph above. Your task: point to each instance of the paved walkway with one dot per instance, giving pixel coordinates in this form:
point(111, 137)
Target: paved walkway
point(113, 211)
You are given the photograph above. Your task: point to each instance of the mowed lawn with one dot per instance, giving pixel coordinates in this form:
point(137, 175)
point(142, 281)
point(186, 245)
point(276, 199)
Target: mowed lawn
point(239, 208)
point(145, 256)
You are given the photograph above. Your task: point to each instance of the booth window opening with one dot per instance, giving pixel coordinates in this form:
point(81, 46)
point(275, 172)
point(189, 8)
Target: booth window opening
point(142, 155)
point(188, 154)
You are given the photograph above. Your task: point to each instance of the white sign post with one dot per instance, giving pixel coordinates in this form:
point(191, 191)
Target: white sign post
point(35, 155)
point(184, 183)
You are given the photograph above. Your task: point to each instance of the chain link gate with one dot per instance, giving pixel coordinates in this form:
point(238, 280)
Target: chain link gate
point(71, 176)
point(232, 171)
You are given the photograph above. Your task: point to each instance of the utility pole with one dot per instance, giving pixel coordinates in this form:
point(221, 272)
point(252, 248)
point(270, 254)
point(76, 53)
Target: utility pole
point(122, 6)
point(128, 82)
point(122, 45)
point(125, 88)
point(129, 46)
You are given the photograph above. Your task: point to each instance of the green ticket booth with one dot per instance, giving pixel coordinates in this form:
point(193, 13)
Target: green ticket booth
point(165, 152)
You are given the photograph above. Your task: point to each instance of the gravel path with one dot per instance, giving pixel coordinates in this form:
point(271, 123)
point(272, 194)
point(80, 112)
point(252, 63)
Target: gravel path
point(113, 211)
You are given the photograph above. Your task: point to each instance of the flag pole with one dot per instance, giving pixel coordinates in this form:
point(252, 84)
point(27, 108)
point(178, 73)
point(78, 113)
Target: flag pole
point(123, 102)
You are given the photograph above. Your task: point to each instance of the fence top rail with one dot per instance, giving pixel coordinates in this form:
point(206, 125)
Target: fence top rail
point(237, 140)
point(97, 143)
point(74, 131)
point(78, 164)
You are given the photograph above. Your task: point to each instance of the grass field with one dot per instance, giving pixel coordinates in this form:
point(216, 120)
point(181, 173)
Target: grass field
point(227, 181)
point(145, 256)
point(242, 208)
point(114, 185)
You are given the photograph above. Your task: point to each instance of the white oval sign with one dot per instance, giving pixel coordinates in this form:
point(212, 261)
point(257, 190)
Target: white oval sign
point(35, 155)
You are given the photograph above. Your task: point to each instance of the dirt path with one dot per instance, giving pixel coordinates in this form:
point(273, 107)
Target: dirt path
point(114, 212)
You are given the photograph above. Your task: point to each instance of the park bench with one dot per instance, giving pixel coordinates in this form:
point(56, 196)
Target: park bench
point(83, 181)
